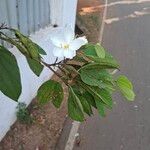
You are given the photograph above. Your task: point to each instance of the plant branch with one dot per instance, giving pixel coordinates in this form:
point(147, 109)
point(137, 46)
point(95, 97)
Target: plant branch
point(4, 37)
point(57, 74)
point(4, 26)
point(58, 63)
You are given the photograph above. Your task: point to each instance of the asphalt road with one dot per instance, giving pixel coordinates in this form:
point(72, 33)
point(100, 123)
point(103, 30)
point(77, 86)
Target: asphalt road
point(127, 37)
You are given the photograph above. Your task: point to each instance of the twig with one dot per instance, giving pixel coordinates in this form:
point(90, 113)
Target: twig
point(59, 63)
point(6, 38)
point(62, 70)
point(49, 66)
point(57, 74)
point(3, 26)
point(56, 60)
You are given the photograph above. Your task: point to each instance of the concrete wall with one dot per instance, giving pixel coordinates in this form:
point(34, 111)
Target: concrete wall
point(62, 12)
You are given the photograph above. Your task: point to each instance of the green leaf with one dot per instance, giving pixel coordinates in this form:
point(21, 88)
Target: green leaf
point(33, 49)
point(95, 77)
point(128, 93)
point(99, 66)
point(90, 78)
point(10, 82)
point(75, 109)
point(20, 47)
point(105, 96)
point(89, 50)
point(125, 87)
point(92, 55)
point(89, 98)
point(86, 106)
point(100, 51)
point(27, 43)
point(95, 74)
point(108, 85)
point(103, 61)
point(94, 50)
point(40, 50)
point(79, 90)
point(35, 66)
point(124, 81)
point(100, 107)
point(101, 94)
point(50, 90)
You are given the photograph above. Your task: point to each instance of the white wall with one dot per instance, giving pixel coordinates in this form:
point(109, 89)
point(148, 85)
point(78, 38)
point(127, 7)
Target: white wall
point(66, 9)
point(63, 13)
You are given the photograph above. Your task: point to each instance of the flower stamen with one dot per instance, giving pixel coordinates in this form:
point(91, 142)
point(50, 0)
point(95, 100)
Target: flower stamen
point(65, 46)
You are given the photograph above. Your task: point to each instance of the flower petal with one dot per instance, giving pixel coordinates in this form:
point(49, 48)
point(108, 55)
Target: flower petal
point(68, 34)
point(77, 43)
point(69, 53)
point(57, 37)
point(58, 52)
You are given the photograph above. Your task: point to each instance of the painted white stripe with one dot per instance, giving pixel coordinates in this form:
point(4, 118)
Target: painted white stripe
point(75, 124)
point(114, 72)
point(103, 22)
point(72, 137)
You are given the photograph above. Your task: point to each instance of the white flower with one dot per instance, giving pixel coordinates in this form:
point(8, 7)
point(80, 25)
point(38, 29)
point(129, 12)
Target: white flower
point(65, 43)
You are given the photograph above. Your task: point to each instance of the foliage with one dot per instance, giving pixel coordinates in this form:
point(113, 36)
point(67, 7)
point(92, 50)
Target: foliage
point(23, 114)
point(88, 77)
point(10, 83)
point(50, 90)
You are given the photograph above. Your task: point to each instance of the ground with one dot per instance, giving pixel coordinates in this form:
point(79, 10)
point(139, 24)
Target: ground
point(44, 133)
point(88, 18)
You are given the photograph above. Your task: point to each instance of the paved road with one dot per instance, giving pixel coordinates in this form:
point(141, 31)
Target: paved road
point(127, 126)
